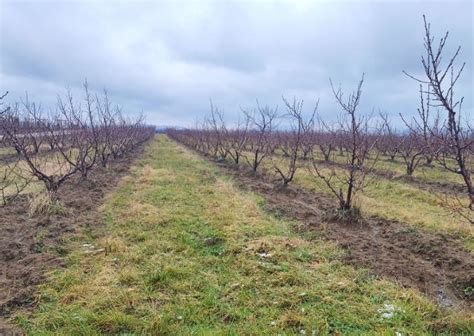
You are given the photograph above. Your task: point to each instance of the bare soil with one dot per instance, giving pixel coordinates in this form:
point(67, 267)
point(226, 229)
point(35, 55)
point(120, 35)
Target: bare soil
point(30, 246)
point(434, 263)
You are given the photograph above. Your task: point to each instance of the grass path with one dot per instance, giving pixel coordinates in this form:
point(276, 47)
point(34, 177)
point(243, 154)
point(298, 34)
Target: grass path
point(188, 253)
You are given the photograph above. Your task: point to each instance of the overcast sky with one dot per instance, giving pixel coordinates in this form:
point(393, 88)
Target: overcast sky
point(169, 58)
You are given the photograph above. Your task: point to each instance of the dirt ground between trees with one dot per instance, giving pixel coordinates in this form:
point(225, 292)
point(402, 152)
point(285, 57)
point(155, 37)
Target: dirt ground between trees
point(30, 246)
point(434, 263)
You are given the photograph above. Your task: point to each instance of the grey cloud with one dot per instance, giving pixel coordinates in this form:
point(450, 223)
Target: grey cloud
point(169, 58)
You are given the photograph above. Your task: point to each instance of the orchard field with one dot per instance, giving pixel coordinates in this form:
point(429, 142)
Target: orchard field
point(169, 239)
point(275, 221)
point(188, 249)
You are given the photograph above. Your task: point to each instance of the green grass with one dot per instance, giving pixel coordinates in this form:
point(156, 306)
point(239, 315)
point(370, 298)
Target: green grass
point(434, 173)
point(190, 254)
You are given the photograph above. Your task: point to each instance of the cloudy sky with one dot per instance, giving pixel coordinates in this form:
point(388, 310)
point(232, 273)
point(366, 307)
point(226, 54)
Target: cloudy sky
point(169, 58)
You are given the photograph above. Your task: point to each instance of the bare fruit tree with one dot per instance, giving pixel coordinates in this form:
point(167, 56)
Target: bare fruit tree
point(217, 125)
point(237, 139)
point(324, 139)
point(259, 140)
point(81, 152)
point(292, 142)
point(48, 168)
point(389, 140)
point(455, 135)
point(358, 143)
point(411, 149)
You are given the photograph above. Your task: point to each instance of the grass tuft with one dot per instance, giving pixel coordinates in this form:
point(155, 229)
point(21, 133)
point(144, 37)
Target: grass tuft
point(43, 204)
